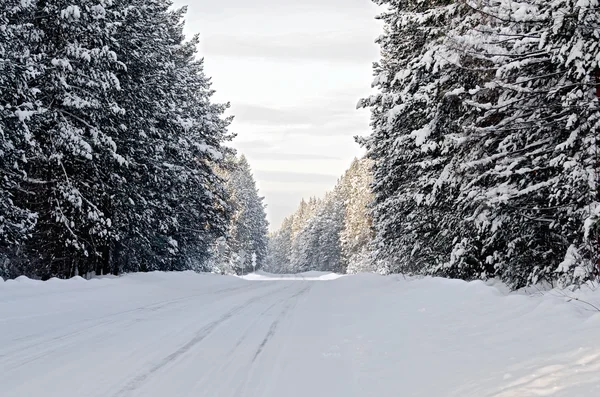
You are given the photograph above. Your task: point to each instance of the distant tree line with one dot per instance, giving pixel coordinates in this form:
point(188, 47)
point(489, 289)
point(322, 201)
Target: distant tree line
point(328, 234)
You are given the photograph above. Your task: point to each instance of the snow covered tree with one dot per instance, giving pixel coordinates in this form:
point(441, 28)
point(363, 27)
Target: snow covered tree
point(530, 164)
point(279, 248)
point(109, 139)
point(299, 238)
point(248, 233)
point(356, 234)
point(317, 244)
point(329, 224)
point(170, 202)
point(17, 104)
point(75, 84)
point(416, 125)
point(305, 248)
point(330, 233)
point(484, 139)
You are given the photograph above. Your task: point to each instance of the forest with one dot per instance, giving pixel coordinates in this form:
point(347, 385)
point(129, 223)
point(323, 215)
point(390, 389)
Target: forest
point(482, 159)
point(112, 150)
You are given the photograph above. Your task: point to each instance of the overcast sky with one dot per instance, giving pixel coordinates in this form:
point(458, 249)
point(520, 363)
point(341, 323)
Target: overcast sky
point(293, 71)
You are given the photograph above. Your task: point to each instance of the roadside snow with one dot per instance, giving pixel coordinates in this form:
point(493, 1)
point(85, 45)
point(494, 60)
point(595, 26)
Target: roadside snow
point(187, 334)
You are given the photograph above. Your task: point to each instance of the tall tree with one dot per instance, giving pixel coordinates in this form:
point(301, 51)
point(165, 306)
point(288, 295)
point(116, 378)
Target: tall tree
point(248, 232)
point(329, 234)
point(170, 202)
point(416, 123)
point(280, 248)
point(484, 139)
point(356, 234)
point(76, 83)
point(17, 104)
point(530, 163)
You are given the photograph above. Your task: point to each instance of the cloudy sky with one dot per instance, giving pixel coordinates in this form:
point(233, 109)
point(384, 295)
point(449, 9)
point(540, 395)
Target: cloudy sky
point(293, 71)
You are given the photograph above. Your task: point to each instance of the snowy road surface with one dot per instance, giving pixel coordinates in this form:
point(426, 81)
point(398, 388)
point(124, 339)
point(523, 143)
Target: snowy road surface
point(170, 335)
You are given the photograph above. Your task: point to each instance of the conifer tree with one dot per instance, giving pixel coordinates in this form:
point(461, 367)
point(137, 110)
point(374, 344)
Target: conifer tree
point(484, 139)
point(530, 156)
point(112, 140)
point(17, 104)
point(356, 234)
point(75, 84)
point(249, 225)
point(416, 125)
point(176, 207)
point(330, 234)
point(280, 248)
point(245, 246)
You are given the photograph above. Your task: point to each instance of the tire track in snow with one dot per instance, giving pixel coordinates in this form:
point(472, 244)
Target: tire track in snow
point(202, 334)
point(26, 354)
point(291, 304)
point(149, 307)
point(292, 301)
point(256, 321)
point(233, 354)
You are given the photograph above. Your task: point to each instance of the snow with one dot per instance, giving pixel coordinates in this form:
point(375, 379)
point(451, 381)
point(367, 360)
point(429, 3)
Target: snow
point(24, 114)
point(71, 11)
point(308, 276)
point(212, 152)
point(188, 334)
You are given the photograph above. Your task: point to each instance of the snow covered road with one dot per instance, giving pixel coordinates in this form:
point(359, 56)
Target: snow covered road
point(184, 334)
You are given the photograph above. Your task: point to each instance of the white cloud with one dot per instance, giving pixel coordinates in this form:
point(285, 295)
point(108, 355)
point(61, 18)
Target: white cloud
point(347, 46)
point(293, 71)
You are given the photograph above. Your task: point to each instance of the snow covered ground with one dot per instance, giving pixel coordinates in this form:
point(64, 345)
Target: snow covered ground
point(184, 334)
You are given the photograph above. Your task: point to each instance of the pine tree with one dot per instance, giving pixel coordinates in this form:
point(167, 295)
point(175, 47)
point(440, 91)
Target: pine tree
point(416, 122)
point(328, 234)
point(17, 104)
point(300, 237)
point(172, 203)
point(484, 139)
point(280, 248)
point(356, 234)
point(113, 140)
point(246, 245)
point(330, 221)
point(75, 82)
point(530, 156)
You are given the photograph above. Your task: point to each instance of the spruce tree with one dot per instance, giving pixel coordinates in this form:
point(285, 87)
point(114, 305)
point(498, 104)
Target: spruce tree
point(18, 102)
point(356, 235)
point(416, 121)
point(246, 244)
point(530, 155)
point(330, 234)
point(280, 248)
point(75, 82)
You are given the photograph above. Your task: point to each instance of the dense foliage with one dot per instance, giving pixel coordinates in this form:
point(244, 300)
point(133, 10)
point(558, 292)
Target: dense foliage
point(484, 139)
point(109, 141)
